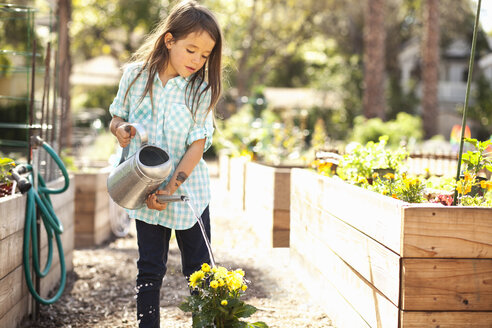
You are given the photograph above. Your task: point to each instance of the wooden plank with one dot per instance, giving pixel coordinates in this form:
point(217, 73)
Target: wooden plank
point(375, 215)
point(14, 317)
point(446, 319)
point(91, 201)
point(11, 250)
point(281, 219)
point(281, 189)
point(447, 284)
point(447, 232)
point(84, 239)
point(237, 181)
point(281, 238)
point(224, 171)
point(372, 306)
point(91, 181)
point(258, 200)
point(259, 186)
point(12, 214)
point(102, 234)
point(376, 263)
point(11, 290)
point(84, 223)
point(336, 306)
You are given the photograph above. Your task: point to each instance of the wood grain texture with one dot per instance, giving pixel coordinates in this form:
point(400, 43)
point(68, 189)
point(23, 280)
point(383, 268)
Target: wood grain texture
point(445, 232)
point(373, 214)
point(447, 285)
point(445, 319)
point(371, 304)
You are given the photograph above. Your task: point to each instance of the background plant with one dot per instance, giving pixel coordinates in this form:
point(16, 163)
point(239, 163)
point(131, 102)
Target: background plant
point(404, 128)
point(477, 160)
point(362, 161)
point(410, 189)
point(5, 165)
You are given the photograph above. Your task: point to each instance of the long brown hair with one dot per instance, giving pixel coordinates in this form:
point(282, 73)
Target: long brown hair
point(185, 18)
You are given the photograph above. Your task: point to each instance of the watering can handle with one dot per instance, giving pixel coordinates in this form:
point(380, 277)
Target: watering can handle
point(143, 139)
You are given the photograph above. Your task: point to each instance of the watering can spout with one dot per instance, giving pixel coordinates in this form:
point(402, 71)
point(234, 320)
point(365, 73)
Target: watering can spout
point(172, 198)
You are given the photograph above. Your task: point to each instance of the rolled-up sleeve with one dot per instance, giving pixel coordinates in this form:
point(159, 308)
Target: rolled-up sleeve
point(203, 127)
point(120, 107)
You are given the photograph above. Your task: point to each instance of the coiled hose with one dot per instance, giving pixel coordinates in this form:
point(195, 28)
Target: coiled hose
point(52, 225)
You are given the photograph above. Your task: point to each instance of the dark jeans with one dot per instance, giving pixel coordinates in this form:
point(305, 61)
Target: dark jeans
point(153, 246)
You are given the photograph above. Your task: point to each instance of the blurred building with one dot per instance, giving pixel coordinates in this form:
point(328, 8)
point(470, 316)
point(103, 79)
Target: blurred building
point(453, 75)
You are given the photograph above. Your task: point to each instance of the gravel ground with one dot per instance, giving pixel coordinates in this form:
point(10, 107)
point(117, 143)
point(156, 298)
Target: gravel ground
point(100, 291)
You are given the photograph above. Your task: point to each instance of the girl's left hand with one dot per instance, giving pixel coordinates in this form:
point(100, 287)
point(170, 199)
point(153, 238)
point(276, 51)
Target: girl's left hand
point(152, 202)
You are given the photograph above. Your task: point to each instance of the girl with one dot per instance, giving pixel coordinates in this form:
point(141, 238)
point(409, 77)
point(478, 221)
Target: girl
point(171, 88)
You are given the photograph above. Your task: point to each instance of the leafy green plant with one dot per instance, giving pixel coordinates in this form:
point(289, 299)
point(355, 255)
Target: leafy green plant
point(5, 165)
point(404, 127)
point(215, 301)
point(5, 183)
point(362, 161)
point(477, 160)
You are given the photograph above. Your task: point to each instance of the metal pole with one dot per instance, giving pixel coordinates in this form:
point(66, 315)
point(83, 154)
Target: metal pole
point(467, 96)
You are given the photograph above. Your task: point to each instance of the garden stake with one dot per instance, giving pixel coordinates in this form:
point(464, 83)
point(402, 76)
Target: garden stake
point(467, 96)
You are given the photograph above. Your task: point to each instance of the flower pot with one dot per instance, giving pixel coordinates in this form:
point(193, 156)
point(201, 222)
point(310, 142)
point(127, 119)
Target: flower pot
point(374, 261)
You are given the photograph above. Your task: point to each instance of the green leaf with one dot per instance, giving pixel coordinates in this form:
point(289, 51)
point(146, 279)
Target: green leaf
point(245, 311)
point(202, 320)
point(259, 324)
point(474, 142)
point(185, 307)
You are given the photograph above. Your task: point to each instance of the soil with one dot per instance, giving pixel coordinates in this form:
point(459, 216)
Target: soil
point(100, 291)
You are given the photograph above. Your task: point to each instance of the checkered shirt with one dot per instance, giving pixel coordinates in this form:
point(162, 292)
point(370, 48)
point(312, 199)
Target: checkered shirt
point(172, 128)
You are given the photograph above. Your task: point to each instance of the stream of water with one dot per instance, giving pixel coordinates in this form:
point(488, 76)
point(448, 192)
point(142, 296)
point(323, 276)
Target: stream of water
point(202, 228)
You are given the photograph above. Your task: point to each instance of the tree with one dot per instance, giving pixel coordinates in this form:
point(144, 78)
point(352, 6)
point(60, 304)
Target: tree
point(430, 67)
point(374, 59)
point(112, 27)
point(264, 34)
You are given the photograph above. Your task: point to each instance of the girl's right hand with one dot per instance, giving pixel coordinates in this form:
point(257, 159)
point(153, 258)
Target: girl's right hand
point(124, 133)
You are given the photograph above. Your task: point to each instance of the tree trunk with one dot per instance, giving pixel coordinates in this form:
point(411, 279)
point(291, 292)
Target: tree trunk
point(374, 59)
point(430, 67)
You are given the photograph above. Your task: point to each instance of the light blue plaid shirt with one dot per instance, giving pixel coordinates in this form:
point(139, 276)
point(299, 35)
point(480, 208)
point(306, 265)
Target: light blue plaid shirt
point(172, 128)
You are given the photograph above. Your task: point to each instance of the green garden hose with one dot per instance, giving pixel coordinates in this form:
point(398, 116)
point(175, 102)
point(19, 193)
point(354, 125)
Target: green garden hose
point(52, 225)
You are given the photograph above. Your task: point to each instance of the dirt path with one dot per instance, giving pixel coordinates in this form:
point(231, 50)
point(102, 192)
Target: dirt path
point(100, 291)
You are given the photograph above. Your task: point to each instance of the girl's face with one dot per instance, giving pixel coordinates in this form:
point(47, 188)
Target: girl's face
point(188, 55)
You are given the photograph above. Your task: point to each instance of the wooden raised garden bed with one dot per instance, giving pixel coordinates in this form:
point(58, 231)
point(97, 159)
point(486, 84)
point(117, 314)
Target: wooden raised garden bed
point(92, 225)
point(374, 261)
point(267, 203)
point(15, 300)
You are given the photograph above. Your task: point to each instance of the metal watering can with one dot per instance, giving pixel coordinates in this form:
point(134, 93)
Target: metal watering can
point(141, 174)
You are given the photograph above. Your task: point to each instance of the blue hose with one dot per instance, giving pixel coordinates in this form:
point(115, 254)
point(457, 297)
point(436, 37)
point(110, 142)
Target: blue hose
point(52, 225)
